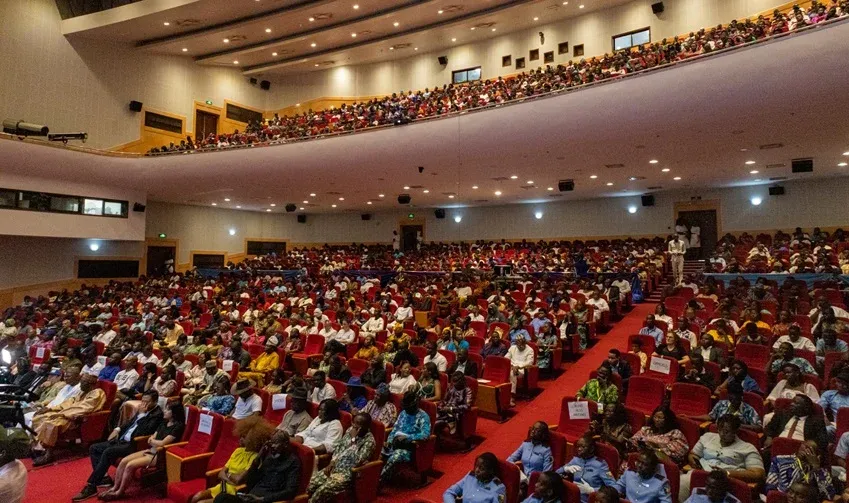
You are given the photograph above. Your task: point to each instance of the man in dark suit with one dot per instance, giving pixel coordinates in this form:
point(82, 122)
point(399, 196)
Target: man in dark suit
point(463, 364)
point(697, 373)
point(797, 422)
point(619, 366)
point(120, 443)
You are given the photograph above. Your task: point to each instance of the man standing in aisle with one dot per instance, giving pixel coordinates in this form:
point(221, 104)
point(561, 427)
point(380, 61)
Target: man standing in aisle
point(677, 248)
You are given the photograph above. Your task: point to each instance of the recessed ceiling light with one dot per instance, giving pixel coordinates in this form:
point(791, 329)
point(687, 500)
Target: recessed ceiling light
point(609, 184)
point(269, 209)
point(380, 195)
point(215, 204)
point(653, 161)
point(302, 207)
point(749, 163)
point(841, 164)
point(396, 24)
point(475, 187)
point(312, 194)
point(274, 54)
point(450, 196)
point(238, 207)
point(453, 39)
point(580, 6)
point(333, 205)
point(185, 49)
point(391, 48)
point(341, 198)
point(311, 19)
point(756, 201)
point(473, 28)
point(272, 205)
point(632, 209)
point(236, 62)
point(845, 153)
point(513, 177)
point(316, 64)
point(439, 11)
point(226, 40)
point(166, 23)
point(536, 19)
point(665, 170)
point(550, 188)
point(530, 182)
point(297, 104)
point(368, 202)
point(353, 35)
point(227, 199)
point(426, 191)
point(538, 215)
point(593, 176)
point(458, 218)
point(406, 187)
point(268, 30)
point(416, 49)
point(565, 3)
point(312, 44)
point(677, 178)
point(497, 192)
point(306, 202)
point(754, 172)
point(493, 29)
point(356, 6)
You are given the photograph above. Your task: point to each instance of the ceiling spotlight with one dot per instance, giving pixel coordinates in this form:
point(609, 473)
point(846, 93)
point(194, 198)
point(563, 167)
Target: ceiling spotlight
point(353, 35)
point(756, 201)
point(754, 172)
point(312, 44)
point(473, 28)
point(458, 218)
point(416, 49)
point(368, 202)
point(841, 164)
point(311, 19)
point(302, 207)
point(497, 192)
point(238, 207)
point(653, 161)
point(185, 49)
point(406, 187)
point(426, 191)
point(530, 182)
point(609, 184)
point(513, 177)
point(333, 205)
point(312, 194)
point(166, 23)
point(94, 247)
point(632, 209)
point(565, 3)
point(550, 188)
point(749, 163)
point(475, 187)
point(268, 209)
point(493, 29)
point(356, 6)
point(274, 54)
point(396, 24)
point(677, 178)
point(236, 62)
point(536, 19)
point(226, 40)
point(306, 202)
point(215, 204)
point(453, 39)
point(232, 232)
point(316, 64)
point(391, 48)
point(439, 11)
point(380, 195)
point(538, 215)
point(297, 104)
point(593, 177)
point(665, 170)
point(341, 198)
point(227, 199)
point(268, 30)
point(580, 6)
point(272, 205)
point(845, 153)
point(450, 196)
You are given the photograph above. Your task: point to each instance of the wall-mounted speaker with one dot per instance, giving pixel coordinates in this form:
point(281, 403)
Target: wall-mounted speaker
point(290, 208)
point(139, 207)
point(648, 200)
point(366, 216)
point(135, 106)
point(778, 190)
point(802, 165)
point(443, 60)
point(657, 8)
point(566, 185)
point(265, 85)
point(404, 199)
point(253, 81)
point(302, 219)
point(439, 213)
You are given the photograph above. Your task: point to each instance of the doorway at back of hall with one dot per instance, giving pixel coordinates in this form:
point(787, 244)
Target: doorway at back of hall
point(706, 222)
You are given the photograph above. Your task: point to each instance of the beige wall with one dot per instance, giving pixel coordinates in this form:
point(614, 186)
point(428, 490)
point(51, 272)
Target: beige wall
point(594, 30)
point(806, 204)
point(87, 85)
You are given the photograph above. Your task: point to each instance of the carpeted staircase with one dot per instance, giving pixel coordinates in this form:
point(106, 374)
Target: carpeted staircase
point(690, 267)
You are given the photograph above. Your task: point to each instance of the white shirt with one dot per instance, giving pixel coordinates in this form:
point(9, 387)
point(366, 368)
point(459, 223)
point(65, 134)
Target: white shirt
point(328, 333)
point(780, 391)
point(803, 343)
point(318, 395)
point(695, 240)
point(318, 433)
point(400, 384)
point(148, 359)
point(600, 305)
point(106, 337)
point(623, 285)
point(373, 325)
point(463, 291)
point(403, 313)
point(245, 408)
point(440, 361)
point(344, 336)
point(838, 312)
point(520, 358)
point(478, 317)
point(677, 247)
point(126, 379)
point(93, 370)
point(799, 432)
point(65, 393)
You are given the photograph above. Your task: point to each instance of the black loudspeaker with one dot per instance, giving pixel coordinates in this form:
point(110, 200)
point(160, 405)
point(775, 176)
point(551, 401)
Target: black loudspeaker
point(802, 165)
point(366, 216)
point(135, 106)
point(778, 190)
point(302, 219)
point(290, 208)
point(439, 213)
point(566, 185)
point(404, 199)
point(443, 60)
point(265, 85)
point(648, 200)
point(139, 207)
point(253, 81)
point(657, 8)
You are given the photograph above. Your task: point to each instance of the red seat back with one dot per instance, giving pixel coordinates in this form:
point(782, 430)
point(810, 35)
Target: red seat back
point(666, 378)
point(754, 355)
point(784, 446)
point(478, 359)
point(109, 388)
point(38, 355)
point(227, 442)
point(497, 369)
point(357, 366)
point(574, 429)
point(610, 456)
point(307, 458)
point(314, 344)
point(476, 344)
point(205, 442)
point(645, 394)
point(509, 474)
point(558, 448)
point(690, 399)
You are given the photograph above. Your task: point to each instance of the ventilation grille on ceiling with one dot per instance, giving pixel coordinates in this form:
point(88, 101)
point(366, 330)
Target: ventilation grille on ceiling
point(614, 166)
point(322, 16)
point(237, 38)
point(500, 178)
point(364, 32)
point(187, 22)
point(416, 186)
point(555, 195)
point(777, 178)
point(484, 25)
point(334, 193)
point(770, 146)
point(449, 193)
point(776, 165)
point(327, 63)
point(481, 201)
point(452, 8)
point(528, 187)
point(636, 178)
point(401, 46)
point(656, 187)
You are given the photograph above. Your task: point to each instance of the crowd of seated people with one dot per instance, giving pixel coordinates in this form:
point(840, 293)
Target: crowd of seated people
point(403, 107)
point(405, 355)
point(783, 253)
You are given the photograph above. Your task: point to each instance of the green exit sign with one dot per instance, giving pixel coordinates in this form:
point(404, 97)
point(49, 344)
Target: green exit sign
point(411, 216)
point(161, 235)
point(209, 102)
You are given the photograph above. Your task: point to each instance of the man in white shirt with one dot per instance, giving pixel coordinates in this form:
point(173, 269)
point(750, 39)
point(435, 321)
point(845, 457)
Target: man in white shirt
point(92, 364)
point(148, 356)
point(127, 378)
point(599, 304)
point(404, 312)
point(70, 390)
point(373, 325)
point(475, 315)
point(434, 356)
point(823, 305)
point(248, 403)
point(321, 389)
point(677, 248)
point(624, 287)
point(345, 334)
point(327, 332)
point(106, 336)
point(521, 356)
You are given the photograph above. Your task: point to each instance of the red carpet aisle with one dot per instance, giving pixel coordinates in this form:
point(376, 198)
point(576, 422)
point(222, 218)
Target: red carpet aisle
point(59, 483)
